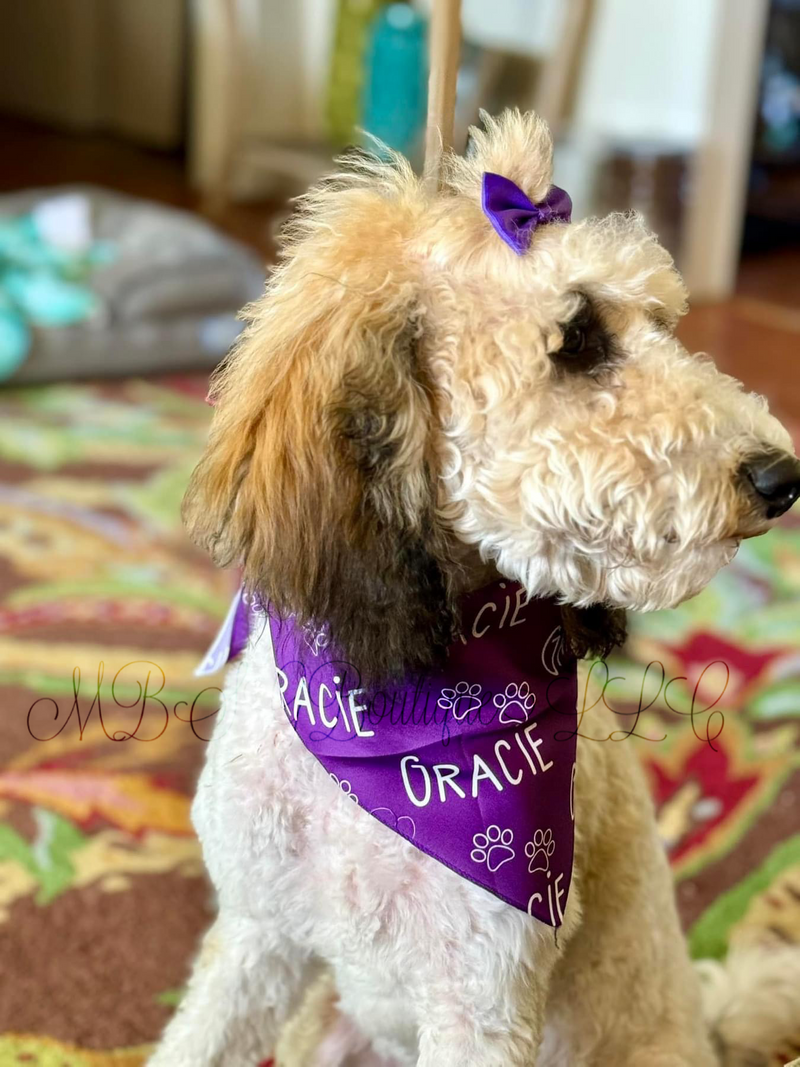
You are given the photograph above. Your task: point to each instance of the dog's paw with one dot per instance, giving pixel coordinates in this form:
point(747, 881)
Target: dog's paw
point(515, 703)
point(540, 850)
point(493, 848)
point(459, 702)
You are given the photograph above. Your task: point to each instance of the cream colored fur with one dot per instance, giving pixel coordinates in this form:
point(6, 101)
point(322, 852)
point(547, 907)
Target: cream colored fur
point(619, 488)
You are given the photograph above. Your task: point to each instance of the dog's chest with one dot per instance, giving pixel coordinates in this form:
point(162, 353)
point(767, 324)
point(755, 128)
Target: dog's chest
point(268, 811)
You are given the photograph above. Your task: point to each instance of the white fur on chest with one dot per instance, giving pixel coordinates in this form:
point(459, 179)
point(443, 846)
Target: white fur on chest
point(282, 841)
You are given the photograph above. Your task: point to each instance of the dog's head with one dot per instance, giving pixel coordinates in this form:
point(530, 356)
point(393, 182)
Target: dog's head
point(410, 385)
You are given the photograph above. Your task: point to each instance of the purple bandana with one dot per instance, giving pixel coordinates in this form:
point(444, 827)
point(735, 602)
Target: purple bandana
point(474, 764)
point(514, 216)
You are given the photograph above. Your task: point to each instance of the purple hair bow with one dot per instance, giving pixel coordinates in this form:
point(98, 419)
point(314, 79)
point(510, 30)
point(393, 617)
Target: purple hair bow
point(514, 216)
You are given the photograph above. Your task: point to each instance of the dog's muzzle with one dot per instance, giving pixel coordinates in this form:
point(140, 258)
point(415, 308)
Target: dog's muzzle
point(773, 478)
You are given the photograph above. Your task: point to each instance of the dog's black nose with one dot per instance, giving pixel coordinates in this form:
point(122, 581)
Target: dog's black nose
point(775, 476)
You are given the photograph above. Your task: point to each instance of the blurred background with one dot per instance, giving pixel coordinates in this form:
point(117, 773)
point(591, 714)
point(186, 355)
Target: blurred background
point(149, 150)
point(687, 111)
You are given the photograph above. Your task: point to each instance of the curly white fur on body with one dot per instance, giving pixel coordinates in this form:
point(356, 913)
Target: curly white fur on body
point(411, 398)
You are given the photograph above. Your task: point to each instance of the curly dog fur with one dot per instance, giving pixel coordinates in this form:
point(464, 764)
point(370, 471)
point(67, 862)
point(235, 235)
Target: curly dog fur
point(410, 408)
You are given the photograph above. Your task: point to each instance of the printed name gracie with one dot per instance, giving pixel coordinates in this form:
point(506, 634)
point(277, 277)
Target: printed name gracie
point(420, 780)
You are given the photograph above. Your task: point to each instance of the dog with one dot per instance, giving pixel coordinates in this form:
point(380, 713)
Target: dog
point(415, 409)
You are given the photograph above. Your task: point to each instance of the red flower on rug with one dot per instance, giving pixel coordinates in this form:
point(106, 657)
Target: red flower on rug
point(709, 792)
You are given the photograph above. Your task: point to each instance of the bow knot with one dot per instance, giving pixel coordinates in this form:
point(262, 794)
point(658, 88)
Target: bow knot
point(514, 216)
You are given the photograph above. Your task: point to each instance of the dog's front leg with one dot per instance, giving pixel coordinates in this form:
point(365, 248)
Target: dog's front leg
point(243, 986)
point(494, 1017)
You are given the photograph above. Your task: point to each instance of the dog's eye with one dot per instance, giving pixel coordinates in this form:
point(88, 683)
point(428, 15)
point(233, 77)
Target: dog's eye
point(586, 345)
point(573, 340)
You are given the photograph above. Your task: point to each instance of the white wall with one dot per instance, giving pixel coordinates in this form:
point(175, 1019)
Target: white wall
point(647, 70)
point(526, 27)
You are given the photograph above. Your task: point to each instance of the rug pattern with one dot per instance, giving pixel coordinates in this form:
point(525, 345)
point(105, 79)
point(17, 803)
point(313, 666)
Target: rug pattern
point(104, 610)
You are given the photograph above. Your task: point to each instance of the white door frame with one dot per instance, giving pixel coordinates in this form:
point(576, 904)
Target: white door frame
point(716, 203)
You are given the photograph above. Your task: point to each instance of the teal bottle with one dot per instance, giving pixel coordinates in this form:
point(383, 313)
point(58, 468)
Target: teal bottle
point(395, 85)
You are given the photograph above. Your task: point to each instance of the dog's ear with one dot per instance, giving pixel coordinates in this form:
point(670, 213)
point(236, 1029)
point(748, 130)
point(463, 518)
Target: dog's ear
point(319, 476)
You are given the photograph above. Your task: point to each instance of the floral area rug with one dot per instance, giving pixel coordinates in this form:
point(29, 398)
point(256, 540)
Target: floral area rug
point(104, 611)
point(710, 694)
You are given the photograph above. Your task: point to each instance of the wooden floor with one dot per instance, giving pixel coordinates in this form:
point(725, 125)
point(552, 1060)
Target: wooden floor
point(757, 339)
point(755, 335)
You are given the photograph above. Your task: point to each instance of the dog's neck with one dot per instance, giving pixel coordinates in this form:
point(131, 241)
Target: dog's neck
point(470, 571)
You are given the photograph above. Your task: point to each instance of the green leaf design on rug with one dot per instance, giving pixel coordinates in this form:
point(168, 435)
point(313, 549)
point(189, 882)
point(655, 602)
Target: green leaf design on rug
point(47, 858)
point(156, 500)
point(708, 938)
point(778, 701)
point(55, 841)
point(47, 1052)
point(171, 998)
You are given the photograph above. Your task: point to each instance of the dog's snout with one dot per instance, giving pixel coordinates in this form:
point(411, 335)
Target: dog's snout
point(775, 477)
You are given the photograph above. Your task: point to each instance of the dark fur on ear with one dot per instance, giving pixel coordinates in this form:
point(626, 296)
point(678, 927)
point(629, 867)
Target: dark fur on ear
point(594, 632)
point(319, 476)
point(341, 526)
point(385, 589)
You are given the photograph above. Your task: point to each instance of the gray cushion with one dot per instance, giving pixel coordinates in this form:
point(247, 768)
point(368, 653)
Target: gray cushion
point(168, 300)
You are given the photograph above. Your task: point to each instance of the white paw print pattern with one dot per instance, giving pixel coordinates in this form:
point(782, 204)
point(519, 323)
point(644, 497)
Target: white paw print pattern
point(345, 787)
point(461, 700)
point(254, 603)
point(316, 639)
point(404, 824)
point(516, 703)
point(540, 850)
point(493, 848)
